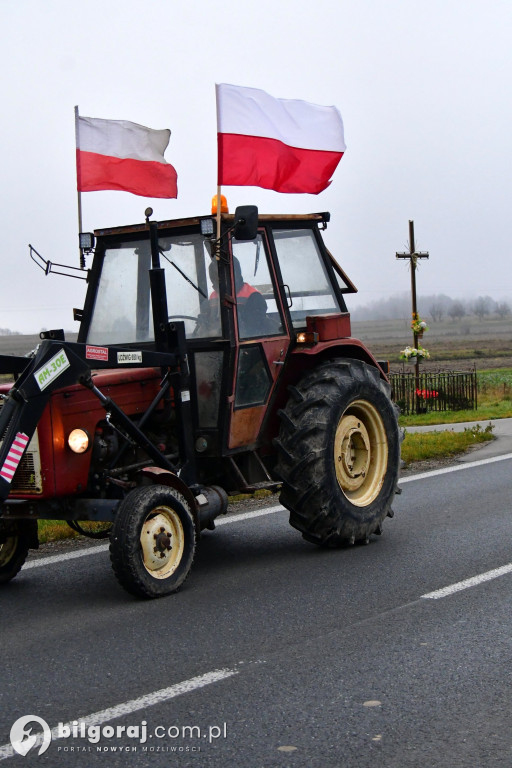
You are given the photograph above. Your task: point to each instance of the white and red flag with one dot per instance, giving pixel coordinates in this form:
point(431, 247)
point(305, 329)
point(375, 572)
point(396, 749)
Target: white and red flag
point(280, 144)
point(117, 154)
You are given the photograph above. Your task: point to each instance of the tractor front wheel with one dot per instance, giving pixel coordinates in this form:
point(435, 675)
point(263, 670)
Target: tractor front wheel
point(152, 543)
point(339, 453)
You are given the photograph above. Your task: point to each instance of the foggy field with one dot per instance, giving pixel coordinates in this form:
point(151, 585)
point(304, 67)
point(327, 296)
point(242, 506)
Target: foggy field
point(452, 344)
point(19, 344)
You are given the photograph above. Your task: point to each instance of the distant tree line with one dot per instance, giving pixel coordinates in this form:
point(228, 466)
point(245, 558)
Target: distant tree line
point(433, 308)
point(8, 332)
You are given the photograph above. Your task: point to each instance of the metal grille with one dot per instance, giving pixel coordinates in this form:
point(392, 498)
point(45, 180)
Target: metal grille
point(2, 434)
point(4, 431)
point(28, 475)
point(431, 391)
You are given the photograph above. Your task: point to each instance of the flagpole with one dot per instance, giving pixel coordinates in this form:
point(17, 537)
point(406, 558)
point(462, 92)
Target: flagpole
point(79, 194)
point(217, 254)
point(218, 221)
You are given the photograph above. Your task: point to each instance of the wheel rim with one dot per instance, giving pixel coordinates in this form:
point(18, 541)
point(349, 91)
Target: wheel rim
point(360, 453)
point(162, 540)
point(7, 550)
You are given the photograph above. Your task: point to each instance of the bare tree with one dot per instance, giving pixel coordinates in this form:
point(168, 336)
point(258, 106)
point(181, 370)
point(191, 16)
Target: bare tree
point(436, 311)
point(481, 307)
point(457, 310)
point(502, 309)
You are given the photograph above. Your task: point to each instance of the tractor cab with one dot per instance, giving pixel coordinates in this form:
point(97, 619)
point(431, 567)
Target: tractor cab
point(281, 259)
point(244, 300)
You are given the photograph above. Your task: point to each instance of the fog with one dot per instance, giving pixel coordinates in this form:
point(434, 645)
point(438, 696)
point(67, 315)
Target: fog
point(422, 87)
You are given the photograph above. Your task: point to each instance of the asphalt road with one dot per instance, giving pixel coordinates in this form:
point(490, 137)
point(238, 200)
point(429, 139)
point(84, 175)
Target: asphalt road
point(276, 653)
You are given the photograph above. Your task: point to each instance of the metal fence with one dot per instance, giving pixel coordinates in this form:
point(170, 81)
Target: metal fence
point(434, 391)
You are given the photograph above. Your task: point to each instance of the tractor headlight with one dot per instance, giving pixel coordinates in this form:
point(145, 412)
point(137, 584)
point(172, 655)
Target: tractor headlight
point(307, 337)
point(78, 440)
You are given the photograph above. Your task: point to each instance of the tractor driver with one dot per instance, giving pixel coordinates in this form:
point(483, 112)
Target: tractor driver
point(243, 289)
point(251, 306)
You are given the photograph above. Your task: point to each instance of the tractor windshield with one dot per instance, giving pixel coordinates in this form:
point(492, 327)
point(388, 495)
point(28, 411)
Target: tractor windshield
point(122, 308)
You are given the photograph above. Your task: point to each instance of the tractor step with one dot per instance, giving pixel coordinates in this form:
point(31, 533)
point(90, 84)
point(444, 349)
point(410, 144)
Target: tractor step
point(272, 485)
point(249, 474)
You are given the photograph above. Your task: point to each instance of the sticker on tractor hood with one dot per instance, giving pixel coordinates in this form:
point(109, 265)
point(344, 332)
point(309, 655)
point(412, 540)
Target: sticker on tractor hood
point(50, 370)
point(129, 357)
point(96, 353)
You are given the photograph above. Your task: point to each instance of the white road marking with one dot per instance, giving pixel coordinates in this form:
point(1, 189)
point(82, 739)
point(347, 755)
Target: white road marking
point(458, 468)
point(248, 515)
point(135, 705)
point(474, 581)
point(67, 556)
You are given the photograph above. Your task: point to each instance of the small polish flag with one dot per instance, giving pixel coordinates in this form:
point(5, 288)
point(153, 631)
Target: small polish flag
point(280, 144)
point(117, 154)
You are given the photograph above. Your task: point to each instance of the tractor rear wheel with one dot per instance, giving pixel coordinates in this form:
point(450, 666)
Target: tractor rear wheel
point(152, 543)
point(16, 538)
point(339, 453)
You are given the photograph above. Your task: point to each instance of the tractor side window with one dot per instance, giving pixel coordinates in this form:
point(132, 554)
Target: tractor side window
point(304, 272)
point(208, 368)
point(122, 309)
point(253, 381)
point(257, 308)
point(191, 282)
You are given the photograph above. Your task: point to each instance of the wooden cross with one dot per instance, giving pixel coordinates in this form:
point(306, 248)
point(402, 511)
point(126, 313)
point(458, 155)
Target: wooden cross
point(413, 256)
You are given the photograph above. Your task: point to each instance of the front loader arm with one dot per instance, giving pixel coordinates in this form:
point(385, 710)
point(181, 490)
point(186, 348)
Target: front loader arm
point(56, 365)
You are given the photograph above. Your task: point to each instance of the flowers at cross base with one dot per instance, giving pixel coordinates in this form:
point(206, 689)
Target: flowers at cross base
point(417, 324)
point(425, 394)
point(418, 353)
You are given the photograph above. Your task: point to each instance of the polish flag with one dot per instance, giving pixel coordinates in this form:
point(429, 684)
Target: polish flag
point(280, 144)
point(117, 154)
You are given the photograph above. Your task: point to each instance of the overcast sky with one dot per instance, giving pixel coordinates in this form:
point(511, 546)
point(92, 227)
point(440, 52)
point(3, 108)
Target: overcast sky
point(423, 88)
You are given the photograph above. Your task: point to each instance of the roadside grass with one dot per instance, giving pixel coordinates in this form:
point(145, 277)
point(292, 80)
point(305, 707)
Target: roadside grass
point(54, 530)
point(438, 445)
point(494, 402)
point(58, 530)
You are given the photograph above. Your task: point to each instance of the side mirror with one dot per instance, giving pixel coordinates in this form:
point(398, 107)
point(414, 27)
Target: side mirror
point(246, 222)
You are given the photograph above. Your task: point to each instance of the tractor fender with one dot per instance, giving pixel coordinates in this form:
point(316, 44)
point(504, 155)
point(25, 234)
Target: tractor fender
point(159, 476)
point(341, 348)
point(304, 358)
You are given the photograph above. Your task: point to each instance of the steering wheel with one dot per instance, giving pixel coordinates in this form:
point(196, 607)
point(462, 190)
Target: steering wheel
point(182, 317)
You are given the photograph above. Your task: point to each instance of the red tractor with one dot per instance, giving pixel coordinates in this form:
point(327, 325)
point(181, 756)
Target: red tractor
point(202, 365)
